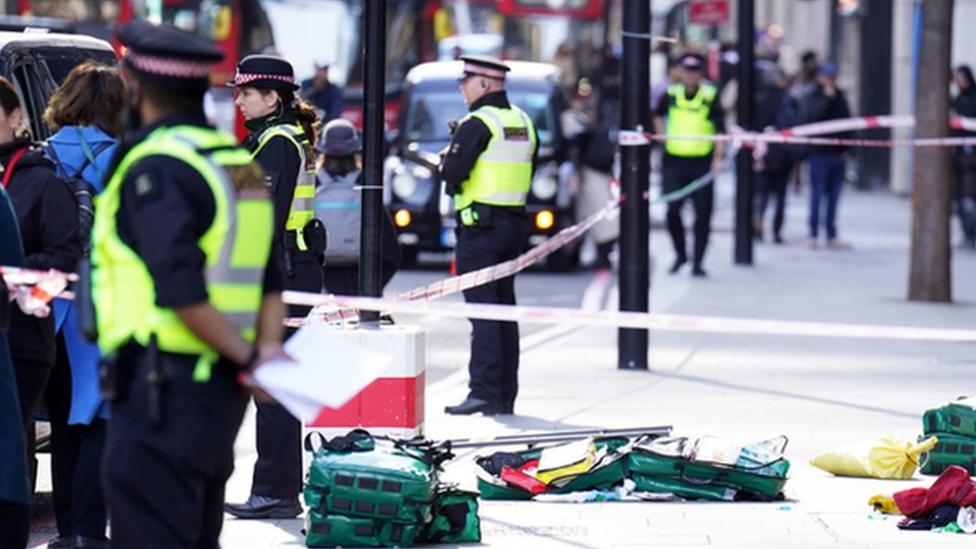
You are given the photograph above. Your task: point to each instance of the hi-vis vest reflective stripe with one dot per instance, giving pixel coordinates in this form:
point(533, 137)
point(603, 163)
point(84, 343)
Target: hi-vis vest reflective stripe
point(502, 174)
point(690, 117)
point(237, 245)
point(303, 201)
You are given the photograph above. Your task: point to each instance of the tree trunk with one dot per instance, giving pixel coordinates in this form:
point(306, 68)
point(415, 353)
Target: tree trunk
point(930, 278)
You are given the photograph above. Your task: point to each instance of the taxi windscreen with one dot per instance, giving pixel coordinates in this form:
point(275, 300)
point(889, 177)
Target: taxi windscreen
point(428, 114)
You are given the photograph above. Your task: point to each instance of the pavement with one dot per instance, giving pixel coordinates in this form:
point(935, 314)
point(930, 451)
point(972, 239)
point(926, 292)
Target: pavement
point(819, 392)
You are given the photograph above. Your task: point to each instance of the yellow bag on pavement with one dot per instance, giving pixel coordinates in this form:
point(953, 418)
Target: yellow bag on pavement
point(889, 458)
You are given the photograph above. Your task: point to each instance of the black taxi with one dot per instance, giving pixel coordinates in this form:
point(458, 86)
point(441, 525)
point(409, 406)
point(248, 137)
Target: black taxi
point(415, 196)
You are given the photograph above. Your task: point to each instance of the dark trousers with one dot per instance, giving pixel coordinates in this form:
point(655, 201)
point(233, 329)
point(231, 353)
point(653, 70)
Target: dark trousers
point(826, 181)
point(14, 524)
point(76, 459)
point(678, 172)
point(32, 376)
point(772, 183)
point(493, 367)
point(165, 482)
point(278, 470)
point(965, 164)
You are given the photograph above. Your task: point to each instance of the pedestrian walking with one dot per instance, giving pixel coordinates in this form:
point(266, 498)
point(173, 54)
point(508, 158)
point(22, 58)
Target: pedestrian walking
point(775, 110)
point(488, 169)
point(282, 131)
point(14, 488)
point(48, 220)
point(338, 205)
point(827, 163)
point(86, 113)
point(187, 296)
point(322, 93)
point(690, 108)
point(964, 158)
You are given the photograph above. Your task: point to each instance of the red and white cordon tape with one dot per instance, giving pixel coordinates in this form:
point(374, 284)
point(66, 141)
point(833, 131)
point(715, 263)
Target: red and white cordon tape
point(803, 135)
point(623, 319)
point(330, 311)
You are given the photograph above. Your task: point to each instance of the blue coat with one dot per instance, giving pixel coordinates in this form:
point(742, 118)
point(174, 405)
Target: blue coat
point(13, 456)
point(86, 399)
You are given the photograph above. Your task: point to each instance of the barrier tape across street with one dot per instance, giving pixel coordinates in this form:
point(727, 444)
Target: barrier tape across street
point(625, 319)
point(803, 135)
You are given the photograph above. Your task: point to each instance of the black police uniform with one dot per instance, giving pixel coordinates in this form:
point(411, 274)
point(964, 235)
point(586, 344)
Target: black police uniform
point(278, 470)
point(165, 469)
point(494, 362)
point(679, 171)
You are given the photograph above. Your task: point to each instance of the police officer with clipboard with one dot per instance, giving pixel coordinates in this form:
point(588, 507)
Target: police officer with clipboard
point(488, 169)
point(188, 302)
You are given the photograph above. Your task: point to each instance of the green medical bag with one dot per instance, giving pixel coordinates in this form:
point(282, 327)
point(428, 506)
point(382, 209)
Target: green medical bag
point(455, 519)
point(951, 449)
point(608, 472)
point(955, 418)
point(344, 531)
point(664, 461)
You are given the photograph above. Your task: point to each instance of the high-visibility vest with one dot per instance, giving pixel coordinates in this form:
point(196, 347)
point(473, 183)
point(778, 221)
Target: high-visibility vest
point(690, 117)
point(302, 209)
point(502, 175)
point(237, 245)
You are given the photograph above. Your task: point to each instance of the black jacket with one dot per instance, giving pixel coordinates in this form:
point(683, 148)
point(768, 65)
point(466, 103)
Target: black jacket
point(817, 107)
point(964, 104)
point(48, 218)
point(281, 164)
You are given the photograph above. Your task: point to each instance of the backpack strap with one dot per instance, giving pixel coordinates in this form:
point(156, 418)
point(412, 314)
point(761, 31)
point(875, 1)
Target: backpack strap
point(10, 166)
point(90, 155)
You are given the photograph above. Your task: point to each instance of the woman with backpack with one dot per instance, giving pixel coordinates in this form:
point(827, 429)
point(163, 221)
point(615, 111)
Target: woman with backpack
point(48, 219)
point(338, 204)
point(86, 114)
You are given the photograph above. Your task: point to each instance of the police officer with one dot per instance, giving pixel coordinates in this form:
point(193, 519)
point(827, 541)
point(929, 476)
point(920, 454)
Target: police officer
point(690, 108)
point(488, 168)
point(282, 131)
point(188, 302)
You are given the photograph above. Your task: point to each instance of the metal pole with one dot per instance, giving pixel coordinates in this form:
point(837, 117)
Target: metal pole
point(374, 89)
point(877, 20)
point(635, 171)
point(744, 175)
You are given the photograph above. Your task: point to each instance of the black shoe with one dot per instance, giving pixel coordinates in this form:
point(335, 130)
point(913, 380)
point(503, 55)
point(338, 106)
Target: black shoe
point(63, 542)
point(677, 264)
point(473, 405)
point(506, 408)
point(777, 239)
point(698, 271)
point(81, 542)
point(263, 507)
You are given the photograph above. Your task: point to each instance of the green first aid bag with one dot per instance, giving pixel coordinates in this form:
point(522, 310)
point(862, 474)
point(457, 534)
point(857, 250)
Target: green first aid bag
point(958, 417)
point(951, 449)
point(605, 474)
point(456, 518)
point(360, 476)
point(343, 531)
point(664, 465)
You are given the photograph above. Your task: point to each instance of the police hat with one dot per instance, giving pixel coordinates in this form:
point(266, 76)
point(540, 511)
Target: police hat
point(692, 62)
point(167, 54)
point(340, 138)
point(483, 65)
point(265, 72)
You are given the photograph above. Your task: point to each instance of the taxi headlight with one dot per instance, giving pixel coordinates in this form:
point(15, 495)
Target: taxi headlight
point(404, 184)
point(545, 187)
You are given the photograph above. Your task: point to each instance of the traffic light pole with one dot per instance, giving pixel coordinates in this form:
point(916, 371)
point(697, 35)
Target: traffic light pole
point(634, 174)
point(374, 88)
point(744, 174)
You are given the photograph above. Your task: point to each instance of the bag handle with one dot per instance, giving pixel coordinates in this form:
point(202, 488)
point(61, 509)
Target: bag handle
point(10, 166)
point(309, 447)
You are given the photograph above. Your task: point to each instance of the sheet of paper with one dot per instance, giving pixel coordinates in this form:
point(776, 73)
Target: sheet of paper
point(329, 369)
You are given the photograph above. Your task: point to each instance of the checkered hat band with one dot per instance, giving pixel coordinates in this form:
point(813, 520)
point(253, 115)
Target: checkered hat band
point(481, 70)
point(242, 79)
point(169, 66)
